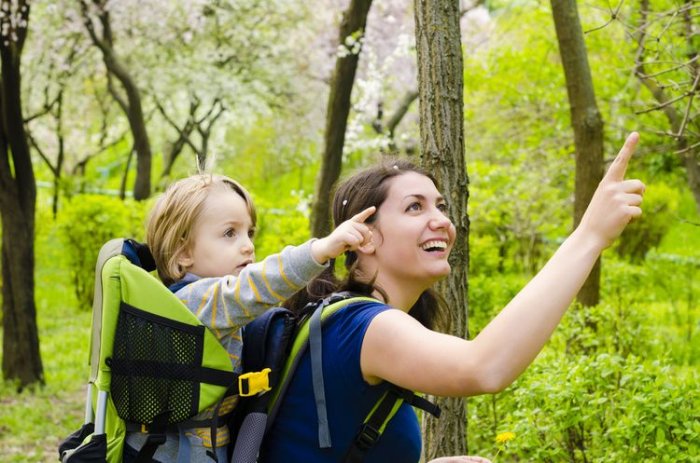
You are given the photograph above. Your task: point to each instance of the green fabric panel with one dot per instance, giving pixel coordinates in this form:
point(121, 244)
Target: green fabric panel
point(124, 281)
point(116, 433)
point(142, 290)
point(111, 296)
point(215, 356)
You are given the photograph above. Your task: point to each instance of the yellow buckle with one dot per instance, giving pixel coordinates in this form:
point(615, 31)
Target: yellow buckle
point(254, 382)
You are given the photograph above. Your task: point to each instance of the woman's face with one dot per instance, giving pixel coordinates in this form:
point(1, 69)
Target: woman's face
point(414, 236)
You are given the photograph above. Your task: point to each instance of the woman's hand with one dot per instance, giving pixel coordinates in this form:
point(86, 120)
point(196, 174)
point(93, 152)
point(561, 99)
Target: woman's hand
point(615, 202)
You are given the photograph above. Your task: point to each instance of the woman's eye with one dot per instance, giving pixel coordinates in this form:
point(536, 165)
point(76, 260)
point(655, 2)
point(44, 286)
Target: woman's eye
point(442, 207)
point(416, 206)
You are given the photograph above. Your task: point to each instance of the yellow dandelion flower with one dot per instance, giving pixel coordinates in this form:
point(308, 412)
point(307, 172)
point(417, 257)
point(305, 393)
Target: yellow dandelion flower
point(504, 437)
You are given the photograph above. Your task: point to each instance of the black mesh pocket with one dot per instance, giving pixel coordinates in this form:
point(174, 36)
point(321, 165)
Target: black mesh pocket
point(154, 365)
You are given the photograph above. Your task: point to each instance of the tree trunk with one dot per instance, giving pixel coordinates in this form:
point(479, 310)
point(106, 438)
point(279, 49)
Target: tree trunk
point(586, 121)
point(687, 150)
point(132, 106)
point(21, 360)
point(441, 96)
point(351, 33)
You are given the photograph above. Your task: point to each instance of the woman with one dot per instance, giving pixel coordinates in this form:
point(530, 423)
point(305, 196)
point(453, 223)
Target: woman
point(370, 344)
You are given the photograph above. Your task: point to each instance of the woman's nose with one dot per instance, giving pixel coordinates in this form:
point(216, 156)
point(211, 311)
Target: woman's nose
point(439, 220)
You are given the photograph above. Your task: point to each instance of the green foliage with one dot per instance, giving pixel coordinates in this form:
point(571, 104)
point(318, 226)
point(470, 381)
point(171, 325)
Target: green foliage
point(643, 234)
point(488, 294)
point(519, 219)
point(85, 224)
point(281, 223)
point(598, 407)
point(590, 397)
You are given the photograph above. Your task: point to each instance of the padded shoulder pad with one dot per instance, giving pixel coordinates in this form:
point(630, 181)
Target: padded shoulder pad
point(139, 254)
point(267, 341)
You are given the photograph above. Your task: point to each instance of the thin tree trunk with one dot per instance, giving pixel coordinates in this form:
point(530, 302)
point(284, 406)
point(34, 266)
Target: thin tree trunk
point(677, 122)
point(351, 32)
point(586, 121)
point(132, 106)
point(441, 96)
point(21, 357)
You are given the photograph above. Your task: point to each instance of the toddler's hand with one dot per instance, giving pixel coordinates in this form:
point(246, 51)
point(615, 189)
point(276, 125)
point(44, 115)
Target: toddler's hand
point(349, 235)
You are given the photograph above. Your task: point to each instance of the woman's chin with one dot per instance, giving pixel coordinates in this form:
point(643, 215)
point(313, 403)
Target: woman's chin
point(441, 273)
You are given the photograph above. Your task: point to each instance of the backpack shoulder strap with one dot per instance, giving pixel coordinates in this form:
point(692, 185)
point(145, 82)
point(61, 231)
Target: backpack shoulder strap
point(379, 416)
point(309, 335)
point(328, 307)
point(300, 343)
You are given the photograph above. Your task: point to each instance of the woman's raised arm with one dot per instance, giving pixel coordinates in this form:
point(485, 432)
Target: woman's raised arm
point(396, 348)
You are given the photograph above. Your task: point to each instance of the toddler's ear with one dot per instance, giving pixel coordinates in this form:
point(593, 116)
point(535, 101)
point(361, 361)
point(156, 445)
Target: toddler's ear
point(184, 260)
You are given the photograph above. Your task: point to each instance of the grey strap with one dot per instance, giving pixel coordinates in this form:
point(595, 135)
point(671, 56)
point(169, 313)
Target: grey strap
point(324, 433)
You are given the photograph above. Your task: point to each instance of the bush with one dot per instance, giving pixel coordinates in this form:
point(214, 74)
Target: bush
point(590, 397)
point(280, 223)
point(641, 235)
point(86, 223)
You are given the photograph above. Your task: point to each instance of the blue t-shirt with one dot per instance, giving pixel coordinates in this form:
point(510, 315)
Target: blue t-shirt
point(294, 435)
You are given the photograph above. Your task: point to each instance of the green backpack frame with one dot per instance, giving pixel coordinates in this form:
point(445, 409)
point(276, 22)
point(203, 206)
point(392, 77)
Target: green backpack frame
point(153, 365)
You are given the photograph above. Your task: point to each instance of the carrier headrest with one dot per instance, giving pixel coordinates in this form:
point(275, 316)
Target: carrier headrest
point(138, 254)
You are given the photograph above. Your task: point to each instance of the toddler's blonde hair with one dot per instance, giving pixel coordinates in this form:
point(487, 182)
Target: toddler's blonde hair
point(172, 220)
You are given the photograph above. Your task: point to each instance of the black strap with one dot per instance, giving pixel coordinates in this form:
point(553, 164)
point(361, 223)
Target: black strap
point(216, 420)
point(416, 401)
point(371, 429)
point(158, 369)
point(156, 437)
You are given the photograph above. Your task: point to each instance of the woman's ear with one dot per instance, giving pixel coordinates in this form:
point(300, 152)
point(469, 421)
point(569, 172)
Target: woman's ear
point(371, 246)
point(367, 248)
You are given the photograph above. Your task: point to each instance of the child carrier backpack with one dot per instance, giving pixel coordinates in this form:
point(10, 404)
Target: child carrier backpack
point(275, 341)
point(153, 365)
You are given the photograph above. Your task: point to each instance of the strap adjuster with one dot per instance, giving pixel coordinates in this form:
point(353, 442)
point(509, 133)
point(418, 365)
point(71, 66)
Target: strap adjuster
point(254, 382)
point(367, 437)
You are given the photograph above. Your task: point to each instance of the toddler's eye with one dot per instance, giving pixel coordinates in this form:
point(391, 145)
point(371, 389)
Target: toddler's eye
point(251, 233)
point(230, 233)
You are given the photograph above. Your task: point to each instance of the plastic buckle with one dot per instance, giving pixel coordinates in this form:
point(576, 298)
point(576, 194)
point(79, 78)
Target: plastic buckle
point(254, 383)
point(367, 437)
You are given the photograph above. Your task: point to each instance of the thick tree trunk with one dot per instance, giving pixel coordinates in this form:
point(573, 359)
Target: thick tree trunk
point(586, 120)
point(21, 357)
point(351, 33)
point(441, 96)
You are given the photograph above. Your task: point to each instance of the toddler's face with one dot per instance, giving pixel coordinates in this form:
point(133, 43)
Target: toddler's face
point(222, 237)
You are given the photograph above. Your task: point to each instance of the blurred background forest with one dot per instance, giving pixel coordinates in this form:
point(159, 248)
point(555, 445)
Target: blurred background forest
point(118, 98)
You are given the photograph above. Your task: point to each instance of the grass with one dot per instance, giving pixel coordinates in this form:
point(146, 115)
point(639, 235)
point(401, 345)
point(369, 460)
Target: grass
point(32, 423)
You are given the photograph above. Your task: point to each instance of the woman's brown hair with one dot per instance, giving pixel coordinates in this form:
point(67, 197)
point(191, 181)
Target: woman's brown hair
point(366, 188)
